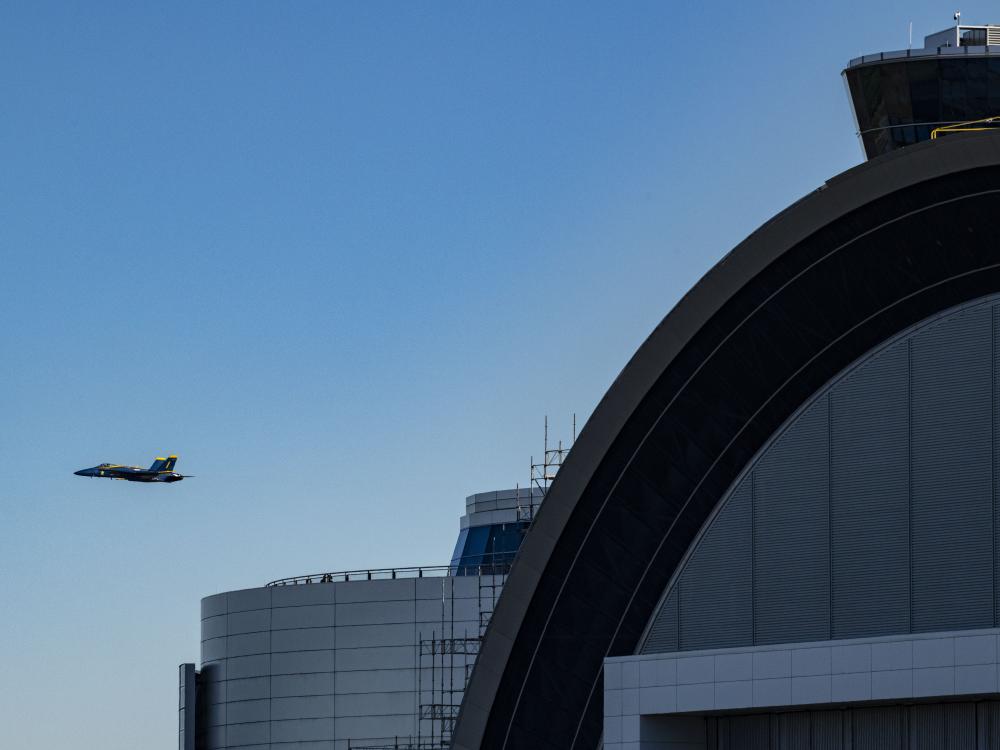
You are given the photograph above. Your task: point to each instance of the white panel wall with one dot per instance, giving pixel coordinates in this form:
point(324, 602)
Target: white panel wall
point(893, 668)
point(314, 666)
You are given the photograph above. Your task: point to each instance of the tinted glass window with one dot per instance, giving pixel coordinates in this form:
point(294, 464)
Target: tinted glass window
point(953, 89)
point(895, 106)
point(993, 86)
point(456, 556)
point(900, 103)
point(871, 96)
point(484, 549)
point(973, 38)
point(976, 98)
point(925, 91)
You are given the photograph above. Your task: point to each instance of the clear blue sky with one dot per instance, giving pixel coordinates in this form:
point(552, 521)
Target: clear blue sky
point(342, 258)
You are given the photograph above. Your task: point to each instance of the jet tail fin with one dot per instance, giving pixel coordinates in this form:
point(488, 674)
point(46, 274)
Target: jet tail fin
point(163, 464)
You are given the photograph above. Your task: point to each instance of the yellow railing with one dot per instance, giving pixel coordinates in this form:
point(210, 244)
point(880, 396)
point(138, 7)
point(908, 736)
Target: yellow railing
point(964, 127)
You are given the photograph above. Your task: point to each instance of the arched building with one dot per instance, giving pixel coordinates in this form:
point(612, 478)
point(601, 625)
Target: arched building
point(780, 526)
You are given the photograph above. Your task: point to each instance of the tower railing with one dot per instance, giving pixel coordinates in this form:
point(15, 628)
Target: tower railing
point(488, 564)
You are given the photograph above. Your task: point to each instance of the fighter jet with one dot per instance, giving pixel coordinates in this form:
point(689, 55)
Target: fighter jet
point(162, 470)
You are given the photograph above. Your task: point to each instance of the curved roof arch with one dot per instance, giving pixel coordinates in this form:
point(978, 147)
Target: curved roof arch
point(872, 252)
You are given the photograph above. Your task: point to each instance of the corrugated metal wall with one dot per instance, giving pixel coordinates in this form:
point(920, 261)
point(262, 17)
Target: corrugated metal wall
point(662, 636)
point(951, 468)
point(872, 513)
point(936, 726)
point(988, 725)
point(870, 506)
point(715, 602)
point(791, 533)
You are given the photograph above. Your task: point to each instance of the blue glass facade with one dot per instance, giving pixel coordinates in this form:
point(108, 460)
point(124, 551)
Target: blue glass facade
point(486, 549)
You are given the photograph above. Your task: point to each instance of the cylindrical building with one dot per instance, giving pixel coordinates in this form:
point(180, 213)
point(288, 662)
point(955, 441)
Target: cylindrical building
point(361, 659)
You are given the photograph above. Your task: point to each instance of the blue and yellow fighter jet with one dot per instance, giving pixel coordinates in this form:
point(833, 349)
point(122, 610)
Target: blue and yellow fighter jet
point(162, 470)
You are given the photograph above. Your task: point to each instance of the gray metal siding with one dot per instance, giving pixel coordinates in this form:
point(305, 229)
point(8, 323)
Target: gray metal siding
point(995, 454)
point(792, 730)
point(951, 434)
point(988, 725)
point(791, 566)
point(873, 512)
point(870, 499)
point(936, 726)
point(942, 726)
point(319, 665)
point(715, 605)
point(830, 730)
point(663, 635)
point(744, 733)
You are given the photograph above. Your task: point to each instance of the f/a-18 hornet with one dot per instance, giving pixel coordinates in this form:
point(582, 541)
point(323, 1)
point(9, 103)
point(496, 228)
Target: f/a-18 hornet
point(162, 470)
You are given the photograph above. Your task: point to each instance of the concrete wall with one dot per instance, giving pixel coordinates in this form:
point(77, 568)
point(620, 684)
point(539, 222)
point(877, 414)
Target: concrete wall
point(311, 667)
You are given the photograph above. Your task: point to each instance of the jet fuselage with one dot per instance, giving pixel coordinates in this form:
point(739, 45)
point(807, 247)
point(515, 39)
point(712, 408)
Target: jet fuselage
point(160, 471)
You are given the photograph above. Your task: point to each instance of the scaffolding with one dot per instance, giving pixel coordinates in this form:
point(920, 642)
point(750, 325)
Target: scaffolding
point(542, 473)
point(446, 658)
point(491, 582)
point(398, 743)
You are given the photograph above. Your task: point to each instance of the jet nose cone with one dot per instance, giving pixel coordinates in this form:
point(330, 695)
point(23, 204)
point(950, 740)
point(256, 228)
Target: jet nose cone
point(84, 473)
point(78, 473)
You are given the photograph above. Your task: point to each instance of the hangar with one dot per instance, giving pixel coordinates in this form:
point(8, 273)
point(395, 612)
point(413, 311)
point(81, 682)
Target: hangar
point(788, 497)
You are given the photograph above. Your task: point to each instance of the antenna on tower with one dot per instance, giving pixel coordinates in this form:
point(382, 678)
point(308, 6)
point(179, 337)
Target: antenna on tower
point(909, 44)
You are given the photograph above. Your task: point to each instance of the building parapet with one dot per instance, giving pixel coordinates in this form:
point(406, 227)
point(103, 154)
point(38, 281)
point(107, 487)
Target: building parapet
point(497, 564)
point(902, 54)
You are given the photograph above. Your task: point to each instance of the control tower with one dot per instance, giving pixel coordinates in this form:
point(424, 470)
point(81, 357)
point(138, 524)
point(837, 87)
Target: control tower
point(952, 83)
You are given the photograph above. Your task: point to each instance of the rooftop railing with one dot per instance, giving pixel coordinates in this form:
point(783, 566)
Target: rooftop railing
point(481, 565)
point(402, 744)
point(902, 54)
